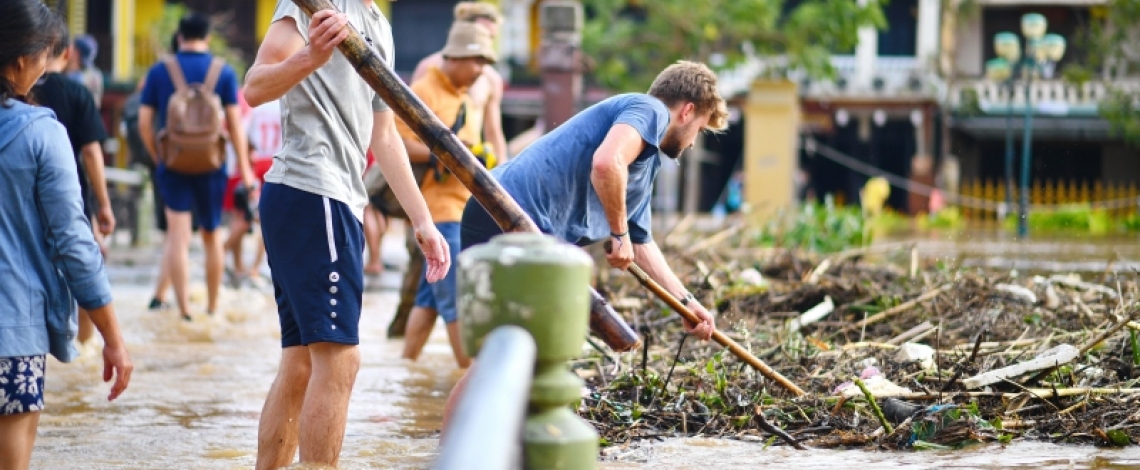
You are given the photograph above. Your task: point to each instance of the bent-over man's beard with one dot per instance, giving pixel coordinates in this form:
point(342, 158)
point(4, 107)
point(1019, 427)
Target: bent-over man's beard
point(671, 145)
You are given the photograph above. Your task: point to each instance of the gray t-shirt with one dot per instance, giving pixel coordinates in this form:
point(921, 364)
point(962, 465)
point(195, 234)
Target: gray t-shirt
point(551, 178)
point(326, 119)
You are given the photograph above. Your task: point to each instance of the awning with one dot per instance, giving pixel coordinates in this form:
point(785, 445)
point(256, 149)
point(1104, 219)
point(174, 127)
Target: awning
point(1044, 128)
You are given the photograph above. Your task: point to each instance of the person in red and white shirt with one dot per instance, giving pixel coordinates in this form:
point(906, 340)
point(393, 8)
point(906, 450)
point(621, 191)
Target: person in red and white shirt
point(263, 127)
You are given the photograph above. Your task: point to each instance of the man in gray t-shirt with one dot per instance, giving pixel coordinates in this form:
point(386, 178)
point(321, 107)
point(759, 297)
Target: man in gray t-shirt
point(311, 208)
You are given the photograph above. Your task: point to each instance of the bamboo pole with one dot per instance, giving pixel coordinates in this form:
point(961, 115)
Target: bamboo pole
point(604, 321)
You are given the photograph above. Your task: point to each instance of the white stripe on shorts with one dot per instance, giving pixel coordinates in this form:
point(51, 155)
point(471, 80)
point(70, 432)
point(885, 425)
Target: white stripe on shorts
point(329, 230)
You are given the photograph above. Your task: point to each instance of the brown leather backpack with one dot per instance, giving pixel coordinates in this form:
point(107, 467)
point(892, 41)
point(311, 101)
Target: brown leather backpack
point(192, 142)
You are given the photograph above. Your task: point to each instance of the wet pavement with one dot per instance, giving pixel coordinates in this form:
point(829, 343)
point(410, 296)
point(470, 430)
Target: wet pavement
point(198, 388)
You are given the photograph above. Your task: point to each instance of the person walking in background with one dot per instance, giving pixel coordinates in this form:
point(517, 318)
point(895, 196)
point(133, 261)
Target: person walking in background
point(181, 192)
point(443, 90)
point(485, 114)
point(312, 207)
point(82, 69)
point(48, 255)
point(263, 127)
point(75, 109)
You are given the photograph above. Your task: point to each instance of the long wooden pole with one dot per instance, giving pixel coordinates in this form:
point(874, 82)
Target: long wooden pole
point(717, 336)
point(604, 321)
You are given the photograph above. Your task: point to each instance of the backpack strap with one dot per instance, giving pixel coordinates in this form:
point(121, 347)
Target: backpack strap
point(174, 69)
point(214, 72)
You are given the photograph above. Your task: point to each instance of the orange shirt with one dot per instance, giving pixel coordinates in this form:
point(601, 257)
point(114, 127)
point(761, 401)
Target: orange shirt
point(447, 197)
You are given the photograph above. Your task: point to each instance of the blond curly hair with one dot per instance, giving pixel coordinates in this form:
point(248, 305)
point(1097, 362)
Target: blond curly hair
point(471, 11)
point(692, 82)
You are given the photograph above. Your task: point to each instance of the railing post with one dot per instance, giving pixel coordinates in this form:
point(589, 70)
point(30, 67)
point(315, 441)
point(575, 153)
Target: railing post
point(487, 427)
point(539, 283)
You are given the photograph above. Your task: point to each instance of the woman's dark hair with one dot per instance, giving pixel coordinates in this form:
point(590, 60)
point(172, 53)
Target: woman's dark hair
point(27, 28)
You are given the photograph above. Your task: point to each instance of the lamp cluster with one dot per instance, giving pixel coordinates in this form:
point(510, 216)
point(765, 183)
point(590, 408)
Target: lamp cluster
point(1040, 48)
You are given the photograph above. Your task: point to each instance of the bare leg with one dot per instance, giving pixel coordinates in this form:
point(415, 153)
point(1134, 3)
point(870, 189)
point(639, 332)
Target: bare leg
point(177, 257)
point(456, 340)
point(17, 437)
point(238, 227)
point(453, 398)
point(86, 328)
point(281, 416)
point(215, 267)
point(325, 411)
point(420, 323)
point(163, 283)
point(373, 232)
point(258, 257)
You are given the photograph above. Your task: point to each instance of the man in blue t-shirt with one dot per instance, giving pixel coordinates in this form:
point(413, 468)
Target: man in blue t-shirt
point(591, 179)
point(202, 194)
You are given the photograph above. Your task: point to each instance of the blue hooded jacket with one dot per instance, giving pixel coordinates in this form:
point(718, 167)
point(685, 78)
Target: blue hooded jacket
point(48, 257)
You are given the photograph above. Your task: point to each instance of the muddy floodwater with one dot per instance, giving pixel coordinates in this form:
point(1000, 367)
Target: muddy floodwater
point(198, 388)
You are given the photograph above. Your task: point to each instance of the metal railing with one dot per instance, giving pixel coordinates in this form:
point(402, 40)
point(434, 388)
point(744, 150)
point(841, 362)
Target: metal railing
point(486, 431)
point(1050, 96)
point(895, 75)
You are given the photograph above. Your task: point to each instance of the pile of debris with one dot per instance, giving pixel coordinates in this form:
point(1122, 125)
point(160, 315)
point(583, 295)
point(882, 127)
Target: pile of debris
point(917, 356)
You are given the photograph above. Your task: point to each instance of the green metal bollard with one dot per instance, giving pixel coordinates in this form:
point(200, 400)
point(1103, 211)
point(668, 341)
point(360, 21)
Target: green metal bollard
point(539, 283)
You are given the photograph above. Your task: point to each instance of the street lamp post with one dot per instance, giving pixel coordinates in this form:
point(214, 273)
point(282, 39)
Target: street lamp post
point(1042, 51)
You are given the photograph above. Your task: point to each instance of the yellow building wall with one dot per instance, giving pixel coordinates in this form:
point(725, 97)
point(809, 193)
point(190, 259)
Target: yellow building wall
point(76, 17)
point(265, 10)
point(772, 121)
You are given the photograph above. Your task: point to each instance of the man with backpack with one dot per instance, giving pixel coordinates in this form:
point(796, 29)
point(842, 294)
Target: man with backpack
point(188, 101)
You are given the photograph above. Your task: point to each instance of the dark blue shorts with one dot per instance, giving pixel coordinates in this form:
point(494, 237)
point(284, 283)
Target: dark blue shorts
point(21, 384)
point(315, 247)
point(201, 194)
point(478, 226)
point(440, 296)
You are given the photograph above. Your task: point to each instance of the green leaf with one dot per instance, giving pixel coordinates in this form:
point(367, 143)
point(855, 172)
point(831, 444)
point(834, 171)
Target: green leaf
point(1118, 438)
point(923, 445)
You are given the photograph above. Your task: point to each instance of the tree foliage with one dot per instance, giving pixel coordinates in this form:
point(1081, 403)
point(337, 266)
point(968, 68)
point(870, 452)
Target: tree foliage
point(1113, 45)
point(628, 45)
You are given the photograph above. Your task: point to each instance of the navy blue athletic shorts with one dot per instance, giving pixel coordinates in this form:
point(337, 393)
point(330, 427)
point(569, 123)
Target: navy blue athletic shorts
point(203, 195)
point(315, 247)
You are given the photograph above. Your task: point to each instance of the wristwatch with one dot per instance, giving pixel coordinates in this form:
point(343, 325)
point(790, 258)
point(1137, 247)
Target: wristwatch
point(688, 297)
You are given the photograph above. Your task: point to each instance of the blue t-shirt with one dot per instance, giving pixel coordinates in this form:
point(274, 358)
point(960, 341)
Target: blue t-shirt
point(159, 88)
point(551, 178)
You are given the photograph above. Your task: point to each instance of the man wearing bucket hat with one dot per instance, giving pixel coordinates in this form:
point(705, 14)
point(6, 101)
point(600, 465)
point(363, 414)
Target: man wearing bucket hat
point(443, 90)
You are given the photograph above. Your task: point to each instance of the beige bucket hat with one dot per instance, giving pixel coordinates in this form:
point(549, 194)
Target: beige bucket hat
point(467, 40)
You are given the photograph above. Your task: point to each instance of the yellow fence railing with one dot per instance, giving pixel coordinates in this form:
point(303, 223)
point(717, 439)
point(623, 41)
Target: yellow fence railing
point(1119, 199)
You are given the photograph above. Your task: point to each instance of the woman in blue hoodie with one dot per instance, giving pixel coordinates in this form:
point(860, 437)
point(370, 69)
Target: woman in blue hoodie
point(48, 258)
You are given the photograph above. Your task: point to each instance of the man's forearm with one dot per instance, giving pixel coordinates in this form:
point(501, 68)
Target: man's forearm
point(241, 144)
point(493, 129)
point(392, 156)
point(146, 131)
point(93, 164)
point(268, 82)
point(610, 182)
point(652, 261)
